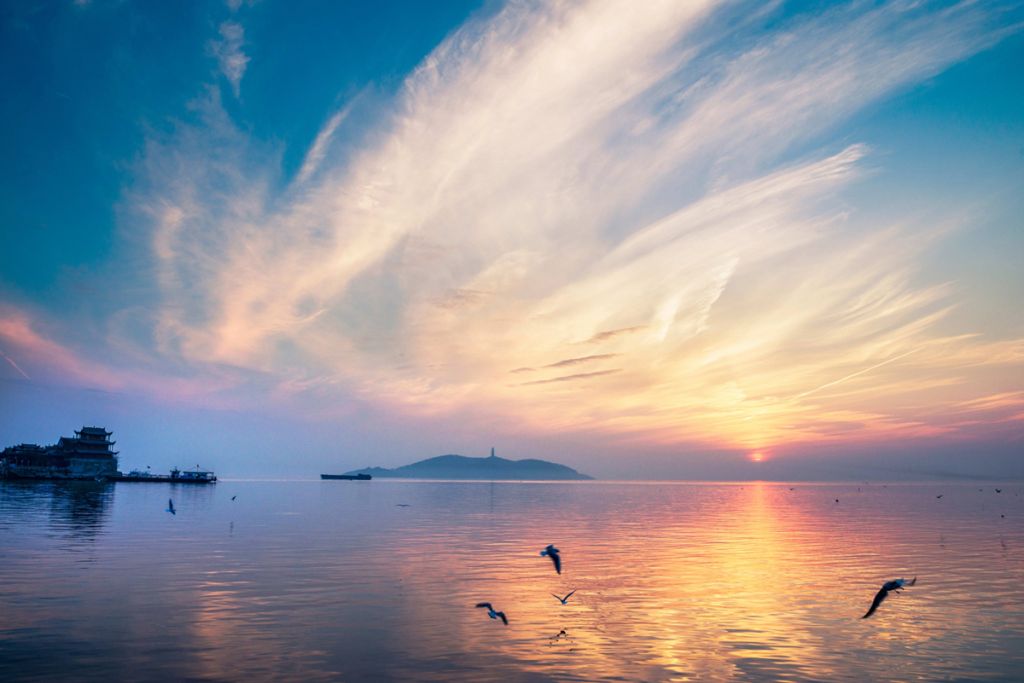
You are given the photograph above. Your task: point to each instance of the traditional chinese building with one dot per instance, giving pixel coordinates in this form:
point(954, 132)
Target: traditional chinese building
point(86, 455)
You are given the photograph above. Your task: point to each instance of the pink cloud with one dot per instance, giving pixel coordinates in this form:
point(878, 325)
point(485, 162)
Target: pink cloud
point(40, 358)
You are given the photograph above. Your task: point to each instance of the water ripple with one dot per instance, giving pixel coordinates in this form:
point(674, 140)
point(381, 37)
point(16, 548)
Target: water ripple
point(329, 580)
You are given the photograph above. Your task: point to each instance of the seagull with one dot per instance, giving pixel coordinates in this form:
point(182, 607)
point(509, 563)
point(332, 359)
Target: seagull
point(999, 490)
point(491, 613)
point(552, 552)
point(939, 496)
point(837, 500)
point(401, 505)
point(170, 506)
point(883, 592)
point(564, 600)
point(233, 497)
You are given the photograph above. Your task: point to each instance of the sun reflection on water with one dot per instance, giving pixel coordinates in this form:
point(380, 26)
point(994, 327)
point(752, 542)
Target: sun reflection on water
point(674, 582)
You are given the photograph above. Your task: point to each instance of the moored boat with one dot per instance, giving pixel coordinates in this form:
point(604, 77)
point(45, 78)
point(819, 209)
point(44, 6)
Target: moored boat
point(348, 477)
point(193, 476)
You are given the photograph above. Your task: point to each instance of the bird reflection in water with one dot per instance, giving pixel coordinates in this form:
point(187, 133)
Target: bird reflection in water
point(559, 638)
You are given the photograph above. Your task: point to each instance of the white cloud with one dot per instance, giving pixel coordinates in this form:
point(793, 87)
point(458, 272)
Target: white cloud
point(230, 57)
point(318, 150)
point(557, 173)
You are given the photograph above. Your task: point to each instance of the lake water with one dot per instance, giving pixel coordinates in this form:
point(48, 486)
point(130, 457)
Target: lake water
point(310, 580)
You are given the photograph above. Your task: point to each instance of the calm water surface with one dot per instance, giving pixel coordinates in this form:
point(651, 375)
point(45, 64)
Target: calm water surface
point(333, 581)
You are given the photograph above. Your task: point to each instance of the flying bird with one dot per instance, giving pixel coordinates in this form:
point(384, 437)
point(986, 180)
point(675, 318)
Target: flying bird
point(170, 506)
point(233, 497)
point(491, 613)
point(564, 600)
point(883, 593)
point(552, 552)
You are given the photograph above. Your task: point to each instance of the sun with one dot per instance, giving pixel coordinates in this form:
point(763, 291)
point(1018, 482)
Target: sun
point(756, 456)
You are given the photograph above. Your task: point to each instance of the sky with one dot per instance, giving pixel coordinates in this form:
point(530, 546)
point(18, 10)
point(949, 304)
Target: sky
point(700, 239)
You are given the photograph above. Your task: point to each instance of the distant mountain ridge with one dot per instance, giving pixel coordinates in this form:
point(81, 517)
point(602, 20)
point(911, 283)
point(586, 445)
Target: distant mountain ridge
point(487, 469)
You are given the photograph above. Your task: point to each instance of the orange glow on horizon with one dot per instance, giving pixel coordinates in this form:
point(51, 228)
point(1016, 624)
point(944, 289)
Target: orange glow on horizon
point(756, 456)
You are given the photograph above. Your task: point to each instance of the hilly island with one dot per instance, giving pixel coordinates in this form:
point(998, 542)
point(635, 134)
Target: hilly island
point(488, 469)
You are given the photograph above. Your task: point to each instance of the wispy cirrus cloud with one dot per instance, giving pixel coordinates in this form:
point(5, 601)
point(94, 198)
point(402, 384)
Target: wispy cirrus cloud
point(54, 363)
point(609, 334)
point(10, 361)
point(572, 378)
point(230, 56)
point(22, 339)
point(318, 150)
point(581, 359)
point(650, 182)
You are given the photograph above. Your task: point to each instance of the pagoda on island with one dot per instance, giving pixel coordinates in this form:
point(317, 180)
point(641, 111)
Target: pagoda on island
point(86, 455)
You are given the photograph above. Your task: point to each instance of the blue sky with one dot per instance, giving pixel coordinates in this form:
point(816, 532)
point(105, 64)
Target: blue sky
point(645, 243)
point(94, 81)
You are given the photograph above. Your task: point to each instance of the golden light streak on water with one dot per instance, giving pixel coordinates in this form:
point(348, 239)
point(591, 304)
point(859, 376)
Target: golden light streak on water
point(332, 580)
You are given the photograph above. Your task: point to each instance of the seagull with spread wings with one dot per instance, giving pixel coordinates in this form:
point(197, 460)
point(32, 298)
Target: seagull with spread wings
point(564, 600)
point(883, 593)
point(552, 552)
point(492, 613)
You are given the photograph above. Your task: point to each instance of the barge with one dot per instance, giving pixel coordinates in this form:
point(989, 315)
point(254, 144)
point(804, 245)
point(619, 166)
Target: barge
point(193, 476)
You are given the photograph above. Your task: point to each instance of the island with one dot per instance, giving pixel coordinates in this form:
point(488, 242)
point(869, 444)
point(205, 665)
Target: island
point(486, 469)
